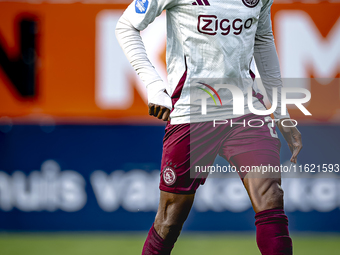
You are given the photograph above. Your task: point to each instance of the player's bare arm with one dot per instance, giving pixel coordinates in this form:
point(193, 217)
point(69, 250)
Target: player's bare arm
point(269, 68)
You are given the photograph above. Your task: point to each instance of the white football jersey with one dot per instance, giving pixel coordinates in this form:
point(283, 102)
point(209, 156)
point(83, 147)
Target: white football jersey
point(206, 39)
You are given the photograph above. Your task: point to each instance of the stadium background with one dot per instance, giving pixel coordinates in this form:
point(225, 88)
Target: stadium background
point(79, 154)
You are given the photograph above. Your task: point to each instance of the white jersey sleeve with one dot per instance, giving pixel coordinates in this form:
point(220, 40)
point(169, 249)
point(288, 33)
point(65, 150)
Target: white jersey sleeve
point(264, 24)
point(266, 58)
point(143, 12)
point(137, 17)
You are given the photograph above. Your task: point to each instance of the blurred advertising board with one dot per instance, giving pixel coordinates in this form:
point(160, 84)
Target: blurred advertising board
point(75, 70)
point(105, 177)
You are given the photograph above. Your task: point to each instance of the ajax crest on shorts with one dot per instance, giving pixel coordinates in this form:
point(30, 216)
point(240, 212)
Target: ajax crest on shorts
point(169, 176)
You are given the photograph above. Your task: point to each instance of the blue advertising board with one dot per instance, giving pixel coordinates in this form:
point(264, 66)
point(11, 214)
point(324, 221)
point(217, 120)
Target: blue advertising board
point(105, 177)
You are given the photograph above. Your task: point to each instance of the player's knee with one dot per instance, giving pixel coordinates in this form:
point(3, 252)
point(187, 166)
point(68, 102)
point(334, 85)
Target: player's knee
point(168, 229)
point(272, 196)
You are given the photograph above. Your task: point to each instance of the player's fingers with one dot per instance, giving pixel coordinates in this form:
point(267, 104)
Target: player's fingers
point(151, 109)
point(296, 152)
point(156, 110)
point(293, 159)
point(297, 145)
point(161, 111)
point(291, 147)
point(166, 115)
point(297, 148)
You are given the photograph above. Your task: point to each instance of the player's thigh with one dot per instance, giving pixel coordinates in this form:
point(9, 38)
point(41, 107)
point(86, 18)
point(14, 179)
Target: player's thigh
point(263, 179)
point(246, 138)
point(184, 147)
point(172, 212)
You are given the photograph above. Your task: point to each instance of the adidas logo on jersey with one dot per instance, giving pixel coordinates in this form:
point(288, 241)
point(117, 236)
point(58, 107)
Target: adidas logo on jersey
point(201, 2)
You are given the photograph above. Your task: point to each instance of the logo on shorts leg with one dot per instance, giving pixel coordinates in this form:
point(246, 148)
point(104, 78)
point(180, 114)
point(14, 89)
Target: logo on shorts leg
point(169, 176)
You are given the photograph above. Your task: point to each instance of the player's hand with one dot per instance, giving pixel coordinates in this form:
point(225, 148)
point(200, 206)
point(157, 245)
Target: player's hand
point(160, 112)
point(293, 138)
point(159, 101)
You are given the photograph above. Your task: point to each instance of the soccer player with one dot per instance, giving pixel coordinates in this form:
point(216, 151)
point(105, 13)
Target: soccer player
point(212, 39)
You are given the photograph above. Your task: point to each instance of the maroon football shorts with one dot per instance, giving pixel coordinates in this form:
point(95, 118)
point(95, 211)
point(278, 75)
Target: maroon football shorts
point(241, 144)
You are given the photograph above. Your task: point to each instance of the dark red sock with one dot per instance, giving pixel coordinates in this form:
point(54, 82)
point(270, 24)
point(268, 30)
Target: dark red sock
point(272, 234)
point(154, 244)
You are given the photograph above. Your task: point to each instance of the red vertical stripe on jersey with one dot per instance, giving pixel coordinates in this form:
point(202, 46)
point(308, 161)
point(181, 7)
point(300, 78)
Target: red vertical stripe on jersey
point(253, 76)
point(178, 91)
point(259, 96)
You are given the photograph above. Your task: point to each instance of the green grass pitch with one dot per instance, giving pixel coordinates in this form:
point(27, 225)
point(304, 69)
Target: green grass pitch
point(126, 244)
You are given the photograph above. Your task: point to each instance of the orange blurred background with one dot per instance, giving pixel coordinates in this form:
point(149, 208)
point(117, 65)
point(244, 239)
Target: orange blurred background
point(69, 82)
